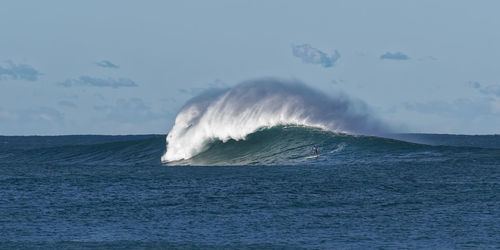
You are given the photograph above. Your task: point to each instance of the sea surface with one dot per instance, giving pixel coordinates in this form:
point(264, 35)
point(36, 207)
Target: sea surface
point(362, 192)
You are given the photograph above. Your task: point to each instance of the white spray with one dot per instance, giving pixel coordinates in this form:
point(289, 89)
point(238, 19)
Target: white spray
point(239, 111)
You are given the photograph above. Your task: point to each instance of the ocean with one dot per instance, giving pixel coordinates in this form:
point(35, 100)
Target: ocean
point(258, 192)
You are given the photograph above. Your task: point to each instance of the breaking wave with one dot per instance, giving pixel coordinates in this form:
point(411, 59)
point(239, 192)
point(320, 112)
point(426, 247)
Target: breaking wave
point(235, 113)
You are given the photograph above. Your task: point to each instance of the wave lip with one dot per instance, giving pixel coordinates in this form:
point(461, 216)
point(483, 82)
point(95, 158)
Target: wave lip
point(239, 111)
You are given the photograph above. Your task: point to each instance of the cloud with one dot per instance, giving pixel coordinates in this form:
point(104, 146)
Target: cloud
point(474, 84)
point(107, 64)
point(394, 56)
point(312, 55)
point(7, 115)
point(98, 82)
point(19, 72)
point(44, 114)
point(38, 120)
point(129, 110)
point(40, 114)
point(493, 89)
point(335, 82)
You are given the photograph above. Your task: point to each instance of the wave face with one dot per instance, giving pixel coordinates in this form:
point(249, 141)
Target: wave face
point(234, 113)
point(290, 145)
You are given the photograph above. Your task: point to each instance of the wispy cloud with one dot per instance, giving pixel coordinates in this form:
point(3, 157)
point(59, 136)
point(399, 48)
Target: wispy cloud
point(7, 115)
point(38, 114)
point(394, 56)
point(98, 82)
point(474, 84)
point(19, 72)
point(35, 120)
point(493, 89)
point(311, 55)
point(129, 110)
point(107, 64)
point(335, 82)
point(44, 114)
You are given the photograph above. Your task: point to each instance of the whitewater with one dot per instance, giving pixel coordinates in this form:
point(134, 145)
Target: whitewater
point(234, 113)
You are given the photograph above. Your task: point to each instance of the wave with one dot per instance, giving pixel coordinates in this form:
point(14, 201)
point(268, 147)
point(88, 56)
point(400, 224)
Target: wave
point(266, 122)
point(280, 145)
point(85, 150)
point(290, 145)
point(235, 113)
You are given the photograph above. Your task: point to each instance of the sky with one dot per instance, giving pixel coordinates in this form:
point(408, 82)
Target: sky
point(127, 67)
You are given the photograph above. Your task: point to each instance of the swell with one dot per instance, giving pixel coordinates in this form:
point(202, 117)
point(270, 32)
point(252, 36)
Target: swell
point(280, 145)
point(87, 151)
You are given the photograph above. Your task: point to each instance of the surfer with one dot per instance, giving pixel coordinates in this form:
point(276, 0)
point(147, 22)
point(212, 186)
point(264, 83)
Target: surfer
point(315, 150)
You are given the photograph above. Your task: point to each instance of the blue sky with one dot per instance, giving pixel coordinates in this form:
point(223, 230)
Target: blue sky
point(126, 67)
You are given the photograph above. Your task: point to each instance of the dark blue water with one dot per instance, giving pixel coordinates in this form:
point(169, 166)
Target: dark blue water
point(363, 192)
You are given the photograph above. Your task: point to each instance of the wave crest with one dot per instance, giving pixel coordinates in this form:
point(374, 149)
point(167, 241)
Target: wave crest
point(239, 111)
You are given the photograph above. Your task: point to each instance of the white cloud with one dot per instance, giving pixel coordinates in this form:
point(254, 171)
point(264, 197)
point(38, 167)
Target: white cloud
point(311, 55)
